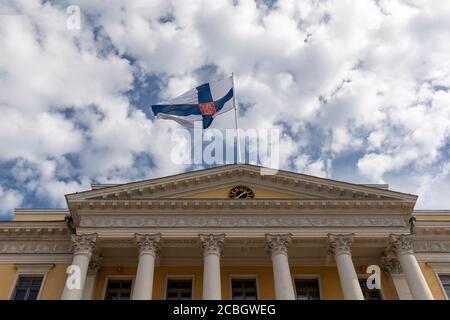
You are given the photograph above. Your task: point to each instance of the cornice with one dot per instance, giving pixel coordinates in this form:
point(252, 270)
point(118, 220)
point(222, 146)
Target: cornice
point(10, 230)
point(297, 182)
point(255, 204)
point(48, 258)
point(33, 247)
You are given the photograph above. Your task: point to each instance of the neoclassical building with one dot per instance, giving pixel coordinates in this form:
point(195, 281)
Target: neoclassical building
point(230, 232)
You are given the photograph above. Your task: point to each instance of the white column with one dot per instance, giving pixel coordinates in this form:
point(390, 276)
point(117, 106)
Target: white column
point(340, 246)
point(278, 245)
point(91, 278)
point(148, 245)
point(392, 266)
point(402, 246)
point(212, 250)
point(83, 248)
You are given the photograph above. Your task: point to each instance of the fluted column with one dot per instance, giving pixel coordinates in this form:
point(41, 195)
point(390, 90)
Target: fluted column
point(278, 245)
point(340, 245)
point(212, 249)
point(148, 245)
point(401, 245)
point(83, 248)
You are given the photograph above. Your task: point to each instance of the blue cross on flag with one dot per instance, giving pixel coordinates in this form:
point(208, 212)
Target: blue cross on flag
point(203, 103)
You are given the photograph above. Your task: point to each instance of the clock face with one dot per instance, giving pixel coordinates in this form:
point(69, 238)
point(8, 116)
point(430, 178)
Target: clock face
point(241, 192)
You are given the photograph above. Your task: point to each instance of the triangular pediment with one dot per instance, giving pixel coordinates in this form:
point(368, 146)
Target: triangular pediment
point(215, 183)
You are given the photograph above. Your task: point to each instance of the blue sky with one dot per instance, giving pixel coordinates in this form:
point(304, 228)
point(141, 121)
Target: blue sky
point(360, 90)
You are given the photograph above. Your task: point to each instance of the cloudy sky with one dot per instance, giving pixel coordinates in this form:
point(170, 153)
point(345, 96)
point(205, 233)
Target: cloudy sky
point(359, 89)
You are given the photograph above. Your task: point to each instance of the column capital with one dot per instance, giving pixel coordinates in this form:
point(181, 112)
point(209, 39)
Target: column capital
point(340, 243)
point(148, 243)
point(278, 243)
point(401, 244)
point(391, 264)
point(95, 263)
point(212, 243)
point(84, 244)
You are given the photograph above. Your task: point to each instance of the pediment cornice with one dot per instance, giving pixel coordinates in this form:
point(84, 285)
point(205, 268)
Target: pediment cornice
point(181, 185)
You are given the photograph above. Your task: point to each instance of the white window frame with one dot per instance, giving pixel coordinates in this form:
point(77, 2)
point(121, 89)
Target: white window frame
point(441, 269)
point(308, 276)
point(30, 270)
point(364, 276)
point(117, 277)
point(243, 277)
point(446, 274)
point(179, 277)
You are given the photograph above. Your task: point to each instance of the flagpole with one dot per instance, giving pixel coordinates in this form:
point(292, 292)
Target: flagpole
point(236, 120)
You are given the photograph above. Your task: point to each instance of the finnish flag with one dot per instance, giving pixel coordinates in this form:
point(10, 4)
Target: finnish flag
point(203, 103)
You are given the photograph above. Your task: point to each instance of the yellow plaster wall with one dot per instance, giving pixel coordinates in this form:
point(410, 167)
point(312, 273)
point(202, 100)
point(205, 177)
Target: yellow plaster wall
point(432, 280)
point(7, 277)
point(54, 283)
point(223, 193)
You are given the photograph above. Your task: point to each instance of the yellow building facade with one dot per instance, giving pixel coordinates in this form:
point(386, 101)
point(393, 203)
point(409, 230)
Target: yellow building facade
point(231, 232)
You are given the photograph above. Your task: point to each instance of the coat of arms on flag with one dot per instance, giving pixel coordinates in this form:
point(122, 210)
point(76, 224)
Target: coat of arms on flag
point(203, 103)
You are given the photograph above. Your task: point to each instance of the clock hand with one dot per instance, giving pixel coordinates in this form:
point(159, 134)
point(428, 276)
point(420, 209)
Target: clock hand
point(240, 195)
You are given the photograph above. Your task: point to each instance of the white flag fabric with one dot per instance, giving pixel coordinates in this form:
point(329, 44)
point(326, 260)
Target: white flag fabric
point(203, 103)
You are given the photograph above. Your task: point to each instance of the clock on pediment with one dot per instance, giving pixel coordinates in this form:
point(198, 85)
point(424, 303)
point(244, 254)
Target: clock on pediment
point(241, 192)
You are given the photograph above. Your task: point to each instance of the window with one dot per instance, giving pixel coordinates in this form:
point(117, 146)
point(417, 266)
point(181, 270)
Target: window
point(307, 289)
point(27, 287)
point(179, 289)
point(118, 290)
point(369, 294)
point(445, 280)
point(244, 289)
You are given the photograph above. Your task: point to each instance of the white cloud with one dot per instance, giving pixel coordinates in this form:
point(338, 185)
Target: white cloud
point(9, 199)
point(341, 78)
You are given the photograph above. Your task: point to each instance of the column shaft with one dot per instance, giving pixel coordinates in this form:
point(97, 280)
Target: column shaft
point(148, 249)
point(83, 247)
point(416, 281)
point(212, 249)
point(348, 277)
point(340, 246)
point(89, 287)
point(278, 244)
point(91, 278)
point(211, 278)
point(402, 245)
